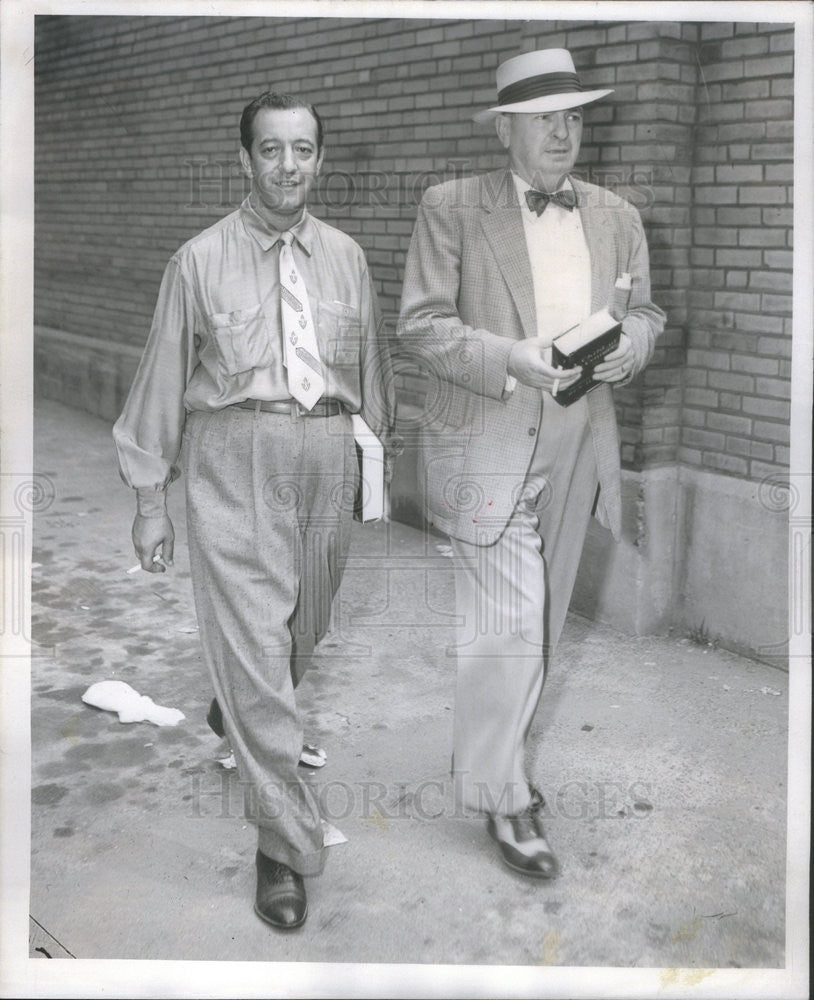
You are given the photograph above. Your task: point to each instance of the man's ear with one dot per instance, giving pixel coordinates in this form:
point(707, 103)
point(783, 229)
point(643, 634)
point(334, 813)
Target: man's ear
point(319, 162)
point(245, 162)
point(503, 129)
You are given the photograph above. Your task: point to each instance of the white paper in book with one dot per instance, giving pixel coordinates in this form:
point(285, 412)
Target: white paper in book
point(583, 333)
point(372, 467)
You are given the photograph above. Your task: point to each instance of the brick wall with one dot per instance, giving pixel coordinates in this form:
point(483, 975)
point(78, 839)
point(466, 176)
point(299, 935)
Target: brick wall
point(136, 140)
point(738, 364)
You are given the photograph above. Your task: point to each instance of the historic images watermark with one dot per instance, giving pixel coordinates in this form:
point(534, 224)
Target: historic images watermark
point(221, 794)
point(219, 183)
point(24, 496)
point(789, 494)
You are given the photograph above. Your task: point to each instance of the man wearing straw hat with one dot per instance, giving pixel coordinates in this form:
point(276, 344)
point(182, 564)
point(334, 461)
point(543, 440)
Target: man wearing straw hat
point(499, 265)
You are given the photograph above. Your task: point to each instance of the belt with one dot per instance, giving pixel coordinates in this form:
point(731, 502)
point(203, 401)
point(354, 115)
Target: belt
point(322, 407)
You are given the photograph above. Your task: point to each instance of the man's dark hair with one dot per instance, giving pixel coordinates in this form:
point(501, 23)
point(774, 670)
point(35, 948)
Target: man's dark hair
point(277, 102)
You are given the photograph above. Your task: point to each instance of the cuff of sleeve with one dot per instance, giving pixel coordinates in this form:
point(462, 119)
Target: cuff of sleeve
point(636, 331)
point(151, 502)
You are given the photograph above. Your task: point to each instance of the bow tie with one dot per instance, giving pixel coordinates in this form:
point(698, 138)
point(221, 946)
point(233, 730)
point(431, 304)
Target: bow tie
point(537, 200)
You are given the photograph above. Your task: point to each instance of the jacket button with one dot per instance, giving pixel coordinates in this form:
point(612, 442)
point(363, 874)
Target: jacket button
point(532, 431)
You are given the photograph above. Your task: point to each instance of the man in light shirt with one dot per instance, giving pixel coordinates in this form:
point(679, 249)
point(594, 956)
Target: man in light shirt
point(264, 342)
point(498, 266)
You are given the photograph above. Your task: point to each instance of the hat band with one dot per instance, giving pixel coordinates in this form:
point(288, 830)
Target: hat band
point(539, 86)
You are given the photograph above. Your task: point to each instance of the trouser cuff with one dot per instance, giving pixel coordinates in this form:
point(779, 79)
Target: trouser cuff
point(508, 799)
point(270, 844)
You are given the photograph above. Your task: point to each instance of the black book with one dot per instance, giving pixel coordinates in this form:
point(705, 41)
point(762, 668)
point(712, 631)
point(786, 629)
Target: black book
point(585, 344)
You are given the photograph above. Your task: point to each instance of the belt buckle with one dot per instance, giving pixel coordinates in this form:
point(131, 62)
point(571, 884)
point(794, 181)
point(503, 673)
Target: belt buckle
point(299, 409)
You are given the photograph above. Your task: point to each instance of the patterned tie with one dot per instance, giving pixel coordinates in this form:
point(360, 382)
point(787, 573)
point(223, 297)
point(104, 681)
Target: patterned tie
point(537, 200)
point(301, 354)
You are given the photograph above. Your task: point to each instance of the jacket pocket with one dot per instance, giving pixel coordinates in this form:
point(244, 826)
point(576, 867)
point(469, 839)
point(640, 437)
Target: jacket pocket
point(620, 296)
point(241, 339)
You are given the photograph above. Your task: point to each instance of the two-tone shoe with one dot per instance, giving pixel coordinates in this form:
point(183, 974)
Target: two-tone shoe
point(522, 841)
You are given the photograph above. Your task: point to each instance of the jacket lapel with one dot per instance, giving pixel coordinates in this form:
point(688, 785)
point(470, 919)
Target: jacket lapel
point(598, 236)
point(502, 226)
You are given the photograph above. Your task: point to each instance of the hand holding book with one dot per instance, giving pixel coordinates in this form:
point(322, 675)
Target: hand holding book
point(618, 364)
point(595, 346)
point(528, 364)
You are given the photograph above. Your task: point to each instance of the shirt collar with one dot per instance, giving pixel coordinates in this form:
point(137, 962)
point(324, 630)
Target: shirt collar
point(266, 236)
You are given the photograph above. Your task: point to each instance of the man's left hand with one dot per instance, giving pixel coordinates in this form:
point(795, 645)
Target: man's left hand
point(618, 365)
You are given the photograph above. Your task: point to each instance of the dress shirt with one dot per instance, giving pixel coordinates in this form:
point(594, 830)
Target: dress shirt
point(216, 336)
point(560, 268)
point(560, 264)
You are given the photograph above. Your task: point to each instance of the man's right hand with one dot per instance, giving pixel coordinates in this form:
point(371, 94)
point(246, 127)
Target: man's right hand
point(526, 364)
point(154, 540)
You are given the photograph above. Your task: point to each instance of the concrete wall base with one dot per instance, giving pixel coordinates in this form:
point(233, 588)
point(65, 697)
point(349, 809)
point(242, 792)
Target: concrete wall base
point(84, 372)
point(701, 554)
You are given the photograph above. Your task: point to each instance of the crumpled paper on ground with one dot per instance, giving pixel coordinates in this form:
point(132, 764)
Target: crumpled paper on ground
point(117, 696)
point(331, 836)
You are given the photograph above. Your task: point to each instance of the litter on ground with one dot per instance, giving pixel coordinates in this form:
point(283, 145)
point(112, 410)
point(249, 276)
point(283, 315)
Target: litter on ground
point(119, 697)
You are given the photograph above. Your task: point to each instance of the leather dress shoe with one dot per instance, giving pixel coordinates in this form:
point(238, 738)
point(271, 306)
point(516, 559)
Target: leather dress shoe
point(310, 756)
point(280, 899)
point(522, 841)
point(214, 718)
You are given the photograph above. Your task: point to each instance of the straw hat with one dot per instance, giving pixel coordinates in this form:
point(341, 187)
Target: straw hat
point(540, 81)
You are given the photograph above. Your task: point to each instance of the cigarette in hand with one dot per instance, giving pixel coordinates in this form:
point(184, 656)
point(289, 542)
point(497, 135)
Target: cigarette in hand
point(556, 384)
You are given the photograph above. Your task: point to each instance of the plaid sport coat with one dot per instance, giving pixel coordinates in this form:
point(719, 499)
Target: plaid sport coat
point(467, 297)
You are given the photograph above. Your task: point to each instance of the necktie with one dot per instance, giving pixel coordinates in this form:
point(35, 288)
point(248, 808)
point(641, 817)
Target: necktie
point(537, 200)
point(300, 354)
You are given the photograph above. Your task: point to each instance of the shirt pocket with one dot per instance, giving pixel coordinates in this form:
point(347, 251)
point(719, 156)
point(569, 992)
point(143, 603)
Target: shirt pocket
point(339, 334)
point(241, 339)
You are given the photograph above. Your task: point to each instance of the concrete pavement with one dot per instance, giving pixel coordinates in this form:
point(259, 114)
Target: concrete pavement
point(663, 761)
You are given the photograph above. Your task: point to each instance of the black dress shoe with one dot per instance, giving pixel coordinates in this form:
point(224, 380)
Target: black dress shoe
point(310, 756)
point(280, 899)
point(214, 718)
point(523, 843)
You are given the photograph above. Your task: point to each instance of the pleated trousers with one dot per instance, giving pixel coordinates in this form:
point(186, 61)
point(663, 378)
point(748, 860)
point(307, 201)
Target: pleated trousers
point(512, 597)
point(269, 513)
